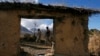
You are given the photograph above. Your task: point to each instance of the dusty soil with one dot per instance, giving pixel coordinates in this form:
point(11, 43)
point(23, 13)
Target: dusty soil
point(35, 49)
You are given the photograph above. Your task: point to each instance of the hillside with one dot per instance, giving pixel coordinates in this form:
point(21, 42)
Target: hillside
point(25, 30)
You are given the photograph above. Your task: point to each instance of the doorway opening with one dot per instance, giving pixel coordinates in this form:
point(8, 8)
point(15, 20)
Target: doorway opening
point(94, 35)
point(37, 36)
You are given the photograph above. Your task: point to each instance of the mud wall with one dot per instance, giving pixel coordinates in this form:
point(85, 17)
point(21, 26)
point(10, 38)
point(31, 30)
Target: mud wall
point(9, 33)
point(70, 32)
point(71, 36)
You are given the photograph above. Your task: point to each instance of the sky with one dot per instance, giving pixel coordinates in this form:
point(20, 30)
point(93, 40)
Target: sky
point(30, 24)
point(94, 20)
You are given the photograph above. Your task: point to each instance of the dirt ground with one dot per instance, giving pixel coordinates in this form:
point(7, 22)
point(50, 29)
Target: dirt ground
point(35, 49)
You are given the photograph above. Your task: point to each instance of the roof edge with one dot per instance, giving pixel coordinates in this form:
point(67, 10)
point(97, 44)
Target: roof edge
point(30, 6)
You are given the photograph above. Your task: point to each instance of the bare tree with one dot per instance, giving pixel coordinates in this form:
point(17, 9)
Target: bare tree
point(35, 25)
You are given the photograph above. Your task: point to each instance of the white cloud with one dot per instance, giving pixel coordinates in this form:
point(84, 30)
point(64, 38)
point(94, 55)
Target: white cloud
point(30, 23)
point(6, 0)
point(51, 25)
point(25, 1)
point(43, 26)
point(36, 1)
point(29, 1)
point(36, 23)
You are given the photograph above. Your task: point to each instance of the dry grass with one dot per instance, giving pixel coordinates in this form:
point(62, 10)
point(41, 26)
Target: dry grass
point(94, 43)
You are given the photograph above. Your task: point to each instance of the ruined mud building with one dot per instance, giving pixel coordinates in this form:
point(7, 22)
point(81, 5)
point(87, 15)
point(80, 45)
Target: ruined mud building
point(70, 27)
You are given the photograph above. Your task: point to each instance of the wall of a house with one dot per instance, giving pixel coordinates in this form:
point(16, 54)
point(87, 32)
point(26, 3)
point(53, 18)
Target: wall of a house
point(9, 33)
point(70, 32)
point(71, 36)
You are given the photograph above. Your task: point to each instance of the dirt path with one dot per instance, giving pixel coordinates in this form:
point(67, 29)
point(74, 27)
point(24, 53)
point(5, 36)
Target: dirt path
point(35, 49)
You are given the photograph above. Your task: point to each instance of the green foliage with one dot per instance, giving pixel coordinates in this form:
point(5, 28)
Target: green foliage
point(96, 30)
point(91, 31)
point(26, 35)
point(28, 38)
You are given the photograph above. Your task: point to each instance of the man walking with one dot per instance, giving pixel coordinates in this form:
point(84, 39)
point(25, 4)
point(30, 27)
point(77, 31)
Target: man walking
point(48, 33)
point(38, 36)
